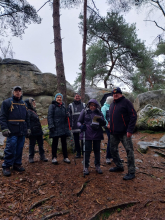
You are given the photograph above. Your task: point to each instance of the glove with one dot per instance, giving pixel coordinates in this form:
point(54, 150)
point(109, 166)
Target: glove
point(28, 133)
point(83, 127)
point(6, 133)
point(101, 121)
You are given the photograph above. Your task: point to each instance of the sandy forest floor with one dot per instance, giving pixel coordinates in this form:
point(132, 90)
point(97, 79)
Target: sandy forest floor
point(47, 191)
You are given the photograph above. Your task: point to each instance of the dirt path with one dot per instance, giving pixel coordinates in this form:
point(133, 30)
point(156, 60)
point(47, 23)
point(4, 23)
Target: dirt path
point(62, 185)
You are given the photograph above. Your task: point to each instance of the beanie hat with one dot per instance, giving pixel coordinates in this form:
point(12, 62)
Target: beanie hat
point(58, 95)
point(116, 90)
point(109, 100)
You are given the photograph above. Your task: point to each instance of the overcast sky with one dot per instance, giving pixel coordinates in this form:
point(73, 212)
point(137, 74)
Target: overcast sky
point(37, 47)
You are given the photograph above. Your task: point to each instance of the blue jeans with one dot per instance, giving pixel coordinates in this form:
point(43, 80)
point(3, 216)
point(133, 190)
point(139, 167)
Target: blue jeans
point(13, 151)
point(108, 154)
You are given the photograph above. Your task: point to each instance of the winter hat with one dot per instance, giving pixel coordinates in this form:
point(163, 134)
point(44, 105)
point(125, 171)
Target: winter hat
point(116, 90)
point(29, 102)
point(57, 95)
point(109, 100)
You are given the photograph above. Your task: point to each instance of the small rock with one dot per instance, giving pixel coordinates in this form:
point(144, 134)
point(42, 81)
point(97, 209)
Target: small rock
point(139, 161)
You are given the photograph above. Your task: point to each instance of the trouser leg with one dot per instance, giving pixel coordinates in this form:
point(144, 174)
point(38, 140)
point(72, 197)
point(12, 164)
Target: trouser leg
point(10, 151)
point(77, 143)
point(54, 147)
point(40, 145)
point(88, 149)
point(114, 141)
point(108, 154)
point(96, 149)
point(32, 142)
point(64, 146)
point(128, 145)
point(19, 150)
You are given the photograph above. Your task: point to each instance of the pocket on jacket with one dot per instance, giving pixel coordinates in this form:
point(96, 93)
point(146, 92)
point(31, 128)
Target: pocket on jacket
point(14, 127)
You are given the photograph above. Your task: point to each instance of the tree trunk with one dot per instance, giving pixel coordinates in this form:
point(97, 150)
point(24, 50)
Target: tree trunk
point(61, 82)
point(84, 53)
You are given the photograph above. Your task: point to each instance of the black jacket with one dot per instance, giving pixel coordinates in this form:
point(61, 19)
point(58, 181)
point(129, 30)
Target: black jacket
point(14, 116)
point(122, 116)
point(57, 120)
point(35, 125)
point(74, 110)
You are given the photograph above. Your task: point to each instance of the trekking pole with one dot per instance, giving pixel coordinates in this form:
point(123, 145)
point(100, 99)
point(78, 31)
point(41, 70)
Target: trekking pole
point(84, 151)
point(71, 139)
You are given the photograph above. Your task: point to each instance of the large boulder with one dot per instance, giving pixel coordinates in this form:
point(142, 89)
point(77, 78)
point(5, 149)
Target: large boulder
point(41, 86)
point(151, 118)
point(155, 98)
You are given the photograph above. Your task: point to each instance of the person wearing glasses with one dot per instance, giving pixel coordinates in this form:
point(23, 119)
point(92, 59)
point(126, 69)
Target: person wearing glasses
point(91, 121)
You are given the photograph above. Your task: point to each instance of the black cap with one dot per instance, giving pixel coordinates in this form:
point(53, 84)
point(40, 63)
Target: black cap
point(116, 90)
point(17, 87)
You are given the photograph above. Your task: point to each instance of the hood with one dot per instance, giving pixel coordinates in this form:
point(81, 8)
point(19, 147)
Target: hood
point(28, 103)
point(106, 104)
point(94, 101)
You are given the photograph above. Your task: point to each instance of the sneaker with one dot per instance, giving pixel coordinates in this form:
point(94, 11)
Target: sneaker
point(108, 161)
point(43, 158)
point(18, 168)
point(6, 171)
point(54, 160)
point(129, 176)
point(31, 160)
point(86, 172)
point(116, 169)
point(66, 160)
point(98, 170)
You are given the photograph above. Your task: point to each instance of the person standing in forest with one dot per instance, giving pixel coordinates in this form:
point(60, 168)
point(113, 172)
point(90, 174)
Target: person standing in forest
point(15, 126)
point(58, 127)
point(122, 123)
point(105, 111)
point(36, 131)
point(74, 110)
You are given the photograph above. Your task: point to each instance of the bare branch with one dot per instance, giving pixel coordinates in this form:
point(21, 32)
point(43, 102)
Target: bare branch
point(43, 5)
point(156, 24)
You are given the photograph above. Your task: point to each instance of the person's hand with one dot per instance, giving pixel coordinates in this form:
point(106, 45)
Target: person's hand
point(101, 121)
point(6, 133)
point(83, 127)
point(108, 126)
point(129, 135)
point(28, 133)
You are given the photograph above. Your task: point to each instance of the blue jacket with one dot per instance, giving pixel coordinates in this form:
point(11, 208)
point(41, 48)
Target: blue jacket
point(14, 116)
point(122, 116)
point(105, 111)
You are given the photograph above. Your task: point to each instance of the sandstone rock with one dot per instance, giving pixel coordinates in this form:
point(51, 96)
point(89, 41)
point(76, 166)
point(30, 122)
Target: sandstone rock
point(155, 98)
point(151, 118)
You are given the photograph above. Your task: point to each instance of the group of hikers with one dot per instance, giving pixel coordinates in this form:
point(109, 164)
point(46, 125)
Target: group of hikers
point(19, 119)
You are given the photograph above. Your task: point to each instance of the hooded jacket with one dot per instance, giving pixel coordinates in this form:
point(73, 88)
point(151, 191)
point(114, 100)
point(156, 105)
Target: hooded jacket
point(105, 111)
point(86, 117)
point(35, 125)
point(122, 116)
point(57, 120)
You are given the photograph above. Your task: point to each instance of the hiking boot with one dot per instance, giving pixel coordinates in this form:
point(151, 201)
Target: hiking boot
point(98, 170)
point(31, 160)
point(54, 160)
point(86, 172)
point(129, 176)
point(78, 156)
point(18, 168)
point(43, 158)
point(116, 169)
point(108, 161)
point(6, 171)
point(66, 160)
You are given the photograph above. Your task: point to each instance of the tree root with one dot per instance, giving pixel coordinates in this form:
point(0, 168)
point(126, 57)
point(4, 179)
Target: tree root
point(55, 214)
point(148, 174)
point(159, 168)
point(82, 188)
point(40, 202)
point(123, 205)
point(149, 201)
point(159, 153)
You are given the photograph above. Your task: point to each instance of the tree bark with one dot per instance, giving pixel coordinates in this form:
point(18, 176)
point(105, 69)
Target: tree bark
point(84, 53)
point(61, 82)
